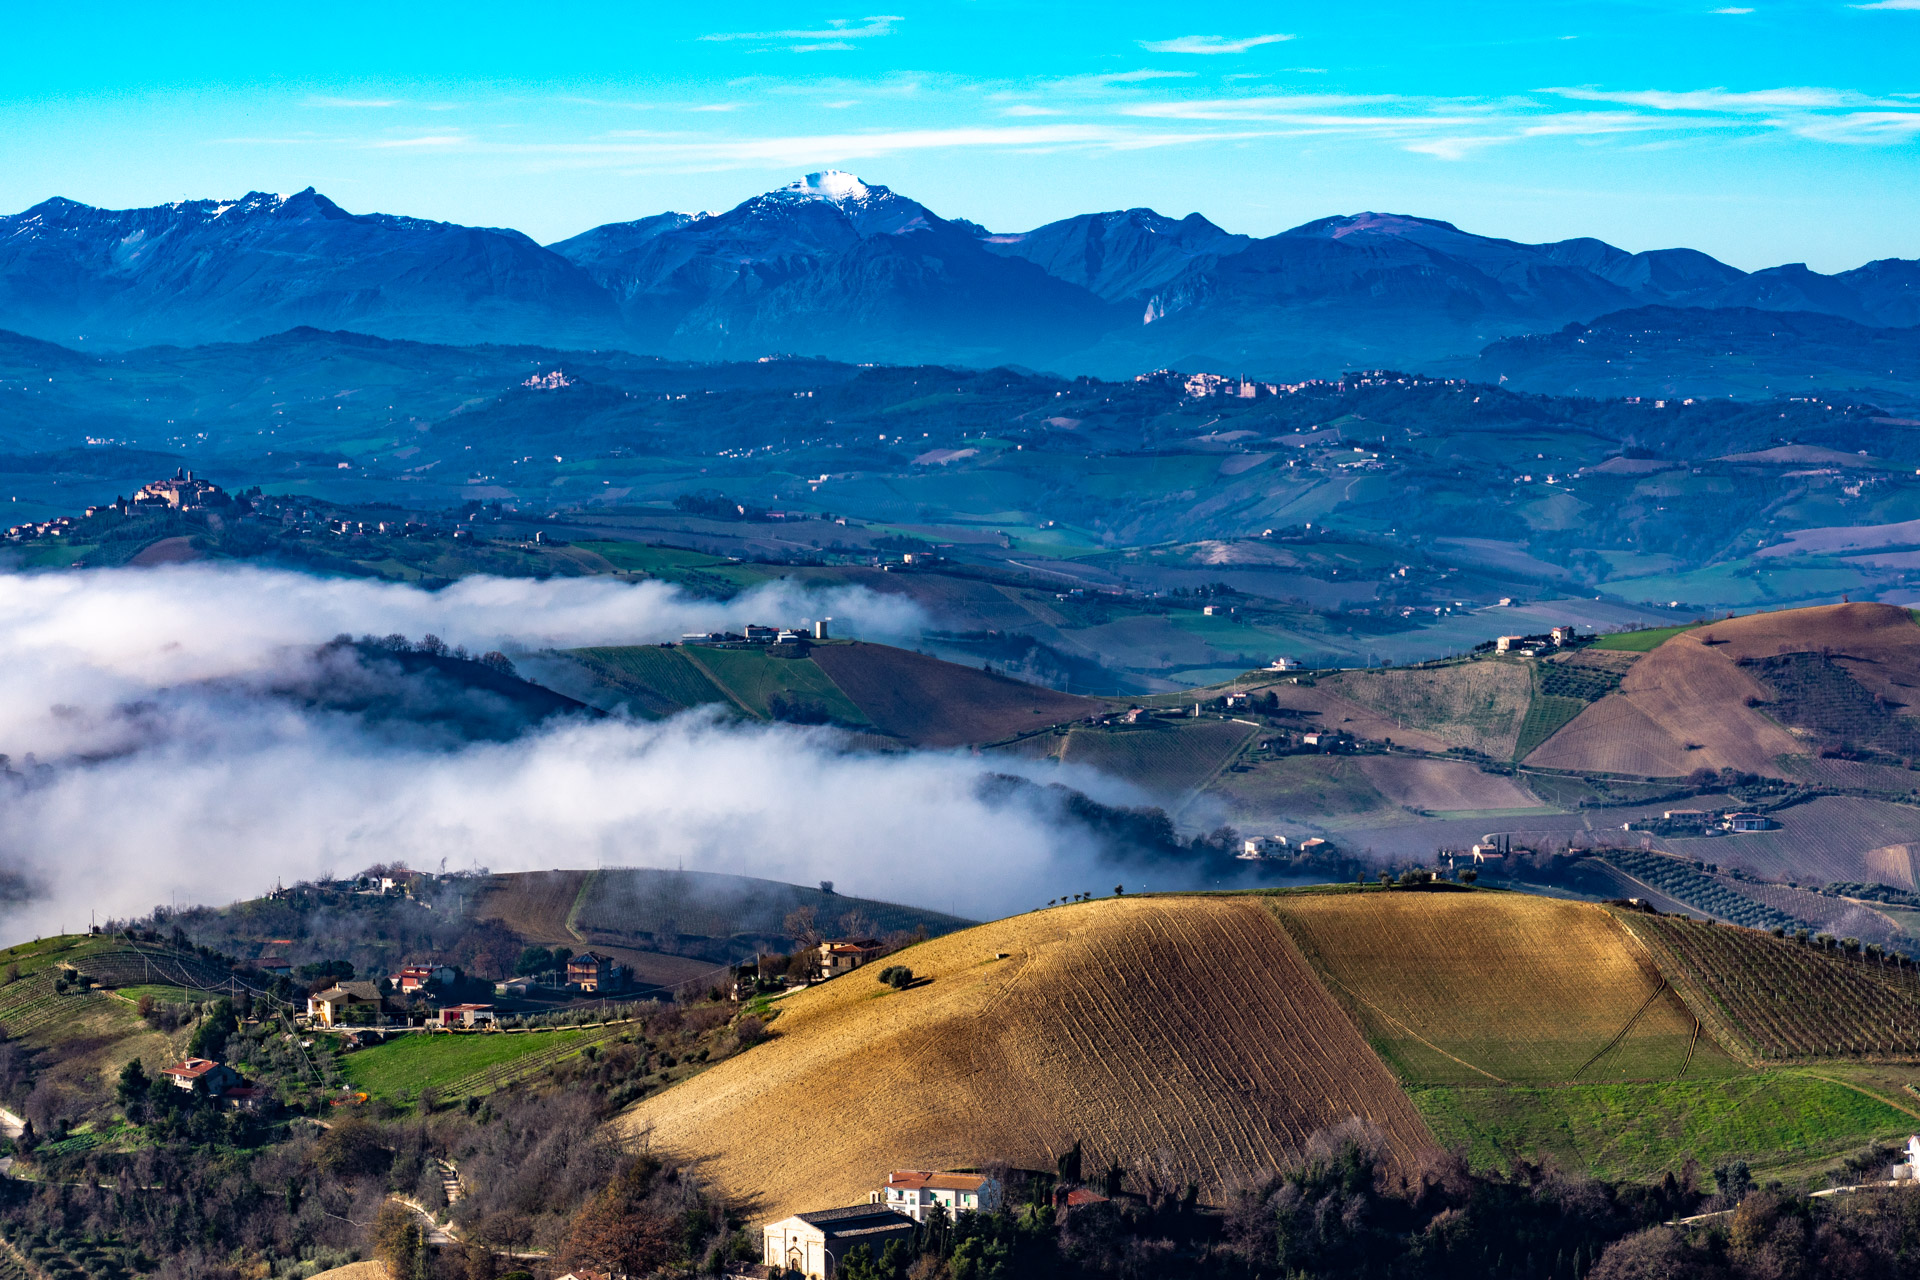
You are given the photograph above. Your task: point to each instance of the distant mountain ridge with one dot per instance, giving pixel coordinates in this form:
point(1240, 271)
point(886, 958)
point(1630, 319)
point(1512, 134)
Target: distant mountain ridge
point(834, 266)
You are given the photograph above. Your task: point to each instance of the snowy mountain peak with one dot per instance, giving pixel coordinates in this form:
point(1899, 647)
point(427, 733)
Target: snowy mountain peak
point(835, 185)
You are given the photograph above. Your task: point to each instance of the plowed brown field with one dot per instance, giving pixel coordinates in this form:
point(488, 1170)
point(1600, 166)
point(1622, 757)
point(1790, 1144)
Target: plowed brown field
point(534, 904)
point(1438, 786)
point(1474, 988)
point(931, 703)
point(1682, 707)
point(1189, 1026)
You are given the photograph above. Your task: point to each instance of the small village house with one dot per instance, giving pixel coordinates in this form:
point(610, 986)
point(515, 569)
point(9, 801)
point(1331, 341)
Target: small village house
point(418, 977)
point(848, 954)
point(813, 1244)
point(1255, 848)
point(468, 1015)
point(278, 966)
point(1738, 822)
point(346, 1002)
point(212, 1078)
point(591, 971)
point(1506, 644)
point(914, 1191)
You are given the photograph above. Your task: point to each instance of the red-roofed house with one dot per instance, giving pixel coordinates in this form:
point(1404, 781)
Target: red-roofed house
point(214, 1077)
point(467, 1015)
point(415, 977)
point(848, 954)
point(1078, 1198)
point(914, 1191)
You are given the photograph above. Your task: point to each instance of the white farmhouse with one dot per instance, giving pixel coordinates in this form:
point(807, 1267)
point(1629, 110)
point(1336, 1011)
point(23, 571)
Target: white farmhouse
point(915, 1191)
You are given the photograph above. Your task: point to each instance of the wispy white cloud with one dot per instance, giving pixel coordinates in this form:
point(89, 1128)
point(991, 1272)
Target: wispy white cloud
point(1717, 100)
point(1733, 9)
point(1028, 109)
point(1210, 44)
point(363, 104)
point(833, 36)
point(1889, 4)
point(432, 140)
point(1264, 107)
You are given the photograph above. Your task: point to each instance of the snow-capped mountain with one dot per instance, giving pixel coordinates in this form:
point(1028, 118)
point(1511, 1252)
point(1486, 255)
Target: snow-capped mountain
point(832, 265)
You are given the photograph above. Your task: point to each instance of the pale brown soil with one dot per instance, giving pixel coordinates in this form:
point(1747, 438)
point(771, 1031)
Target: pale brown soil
point(1683, 706)
point(1191, 1027)
point(1680, 708)
point(1419, 782)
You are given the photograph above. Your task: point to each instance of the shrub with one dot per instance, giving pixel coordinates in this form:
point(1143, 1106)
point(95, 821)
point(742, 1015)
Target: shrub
point(897, 976)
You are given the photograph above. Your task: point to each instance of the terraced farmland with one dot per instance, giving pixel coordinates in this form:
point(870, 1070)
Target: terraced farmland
point(1777, 999)
point(1476, 988)
point(1189, 1025)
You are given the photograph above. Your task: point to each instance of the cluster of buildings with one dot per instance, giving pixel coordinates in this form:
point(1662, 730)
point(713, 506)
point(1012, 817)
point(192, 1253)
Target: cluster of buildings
point(757, 635)
point(813, 1244)
point(1705, 822)
point(1529, 646)
point(58, 527)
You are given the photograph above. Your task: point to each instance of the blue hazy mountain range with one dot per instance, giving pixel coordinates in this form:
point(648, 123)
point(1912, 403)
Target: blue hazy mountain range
point(834, 267)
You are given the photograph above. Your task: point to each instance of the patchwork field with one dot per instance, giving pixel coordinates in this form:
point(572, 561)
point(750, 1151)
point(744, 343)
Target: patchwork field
point(1682, 707)
point(1470, 988)
point(1114, 1023)
point(1166, 757)
point(1442, 786)
point(753, 679)
point(1731, 694)
point(1478, 705)
point(1826, 839)
point(1292, 790)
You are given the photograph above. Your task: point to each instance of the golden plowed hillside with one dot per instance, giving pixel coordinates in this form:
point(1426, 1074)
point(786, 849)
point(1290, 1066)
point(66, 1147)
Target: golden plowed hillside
point(1191, 1027)
point(1476, 988)
point(1691, 704)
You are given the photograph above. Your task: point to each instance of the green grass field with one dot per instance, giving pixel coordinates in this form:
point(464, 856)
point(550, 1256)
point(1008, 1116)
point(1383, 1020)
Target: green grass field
point(657, 681)
point(1772, 1120)
point(1546, 716)
point(403, 1067)
point(1640, 641)
point(753, 677)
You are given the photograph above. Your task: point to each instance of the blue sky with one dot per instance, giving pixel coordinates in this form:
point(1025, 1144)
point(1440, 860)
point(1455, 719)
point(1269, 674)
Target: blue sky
point(1761, 133)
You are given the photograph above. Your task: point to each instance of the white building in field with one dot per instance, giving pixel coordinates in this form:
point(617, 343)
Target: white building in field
point(813, 1244)
point(915, 1191)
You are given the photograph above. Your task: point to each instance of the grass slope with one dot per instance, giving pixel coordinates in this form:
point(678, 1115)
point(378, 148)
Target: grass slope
point(1476, 988)
point(1772, 1120)
point(655, 681)
point(753, 679)
point(408, 1064)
